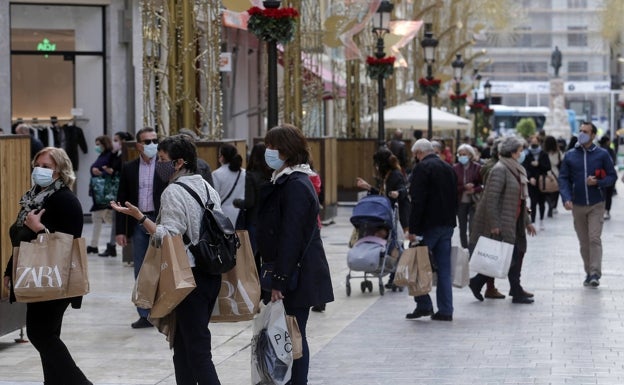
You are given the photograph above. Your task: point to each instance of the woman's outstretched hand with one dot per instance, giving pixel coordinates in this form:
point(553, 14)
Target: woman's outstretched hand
point(128, 209)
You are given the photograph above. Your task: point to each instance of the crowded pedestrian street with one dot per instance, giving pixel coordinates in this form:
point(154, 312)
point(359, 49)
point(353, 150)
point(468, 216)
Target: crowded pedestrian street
point(571, 335)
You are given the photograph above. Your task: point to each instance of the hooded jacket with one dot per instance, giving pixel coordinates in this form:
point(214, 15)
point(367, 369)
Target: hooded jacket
point(580, 163)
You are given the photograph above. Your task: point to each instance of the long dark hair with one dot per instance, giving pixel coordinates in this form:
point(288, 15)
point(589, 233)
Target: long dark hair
point(256, 160)
point(231, 156)
point(550, 144)
point(385, 162)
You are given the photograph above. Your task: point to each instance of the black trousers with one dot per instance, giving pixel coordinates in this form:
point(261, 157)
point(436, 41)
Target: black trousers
point(192, 356)
point(514, 275)
point(43, 327)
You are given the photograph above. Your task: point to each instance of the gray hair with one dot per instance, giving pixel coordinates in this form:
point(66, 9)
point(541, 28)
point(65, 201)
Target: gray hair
point(423, 145)
point(468, 148)
point(436, 145)
point(508, 146)
point(189, 134)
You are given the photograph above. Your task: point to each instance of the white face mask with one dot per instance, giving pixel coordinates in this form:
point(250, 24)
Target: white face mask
point(42, 176)
point(150, 150)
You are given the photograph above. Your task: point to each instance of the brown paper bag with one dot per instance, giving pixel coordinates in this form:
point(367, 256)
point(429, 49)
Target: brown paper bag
point(295, 336)
point(78, 283)
point(406, 269)
point(176, 277)
point(41, 267)
point(146, 284)
point(239, 297)
point(424, 275)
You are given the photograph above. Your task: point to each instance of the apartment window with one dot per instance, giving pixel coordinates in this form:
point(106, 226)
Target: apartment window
point(541, 40)
point(533, 70)
point(577, 70)
point(577, 36)
point(577, 3)
point(523, 37)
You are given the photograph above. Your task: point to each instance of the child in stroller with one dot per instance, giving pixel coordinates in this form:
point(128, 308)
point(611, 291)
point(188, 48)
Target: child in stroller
point(377, 248)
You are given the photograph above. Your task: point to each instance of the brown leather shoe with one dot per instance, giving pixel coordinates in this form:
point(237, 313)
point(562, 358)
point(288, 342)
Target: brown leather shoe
point(493, 293)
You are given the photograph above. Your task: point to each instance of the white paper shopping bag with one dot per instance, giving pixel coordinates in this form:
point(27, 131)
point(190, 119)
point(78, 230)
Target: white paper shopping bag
point(491, 258)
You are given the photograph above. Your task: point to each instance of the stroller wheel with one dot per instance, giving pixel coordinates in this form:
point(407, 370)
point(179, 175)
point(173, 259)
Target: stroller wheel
point(369, 285)
point(363, 286)
point(348, 289)
point(381, 289)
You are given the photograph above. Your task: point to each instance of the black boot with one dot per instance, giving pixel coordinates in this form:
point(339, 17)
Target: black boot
point(92, 250)
point(111, 251)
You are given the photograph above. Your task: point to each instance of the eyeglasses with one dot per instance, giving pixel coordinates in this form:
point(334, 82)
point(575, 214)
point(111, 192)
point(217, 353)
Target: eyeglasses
point(148, 141)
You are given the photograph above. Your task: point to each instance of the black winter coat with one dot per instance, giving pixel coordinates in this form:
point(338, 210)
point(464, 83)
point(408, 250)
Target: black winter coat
point(63, 213)
point(287, 222)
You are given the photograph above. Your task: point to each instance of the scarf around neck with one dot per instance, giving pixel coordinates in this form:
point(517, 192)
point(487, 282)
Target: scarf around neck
point(519, 172)
point(33, 199)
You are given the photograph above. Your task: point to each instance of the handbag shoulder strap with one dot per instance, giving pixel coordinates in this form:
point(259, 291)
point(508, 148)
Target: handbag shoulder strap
point(233, 187)
point(195, 196)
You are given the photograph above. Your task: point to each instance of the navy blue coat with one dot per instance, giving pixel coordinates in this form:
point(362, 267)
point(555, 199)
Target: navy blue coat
point(287, 222)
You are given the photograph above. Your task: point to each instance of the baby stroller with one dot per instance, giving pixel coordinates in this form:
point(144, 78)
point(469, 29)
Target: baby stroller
point(377, 249)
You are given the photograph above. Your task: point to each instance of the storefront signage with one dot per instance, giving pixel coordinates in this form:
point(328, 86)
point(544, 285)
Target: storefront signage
point(46, 46)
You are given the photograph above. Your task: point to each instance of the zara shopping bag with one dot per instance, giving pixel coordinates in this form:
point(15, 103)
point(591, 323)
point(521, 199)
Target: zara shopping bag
point(176, 277)
point(491, 258)
point(146, 284)
point(271, 346)
point(239, 296)
point(41, 267)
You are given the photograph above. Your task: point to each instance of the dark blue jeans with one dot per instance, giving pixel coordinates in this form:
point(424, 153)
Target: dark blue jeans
point(299, 374)
point(192, 356)
point(140, 242)
point(438, 240)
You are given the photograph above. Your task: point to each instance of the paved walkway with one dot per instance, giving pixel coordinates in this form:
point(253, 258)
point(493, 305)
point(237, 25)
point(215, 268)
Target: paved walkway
point(570, 335)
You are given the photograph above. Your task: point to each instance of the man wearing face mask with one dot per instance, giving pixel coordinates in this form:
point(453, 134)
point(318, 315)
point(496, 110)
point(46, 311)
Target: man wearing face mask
point(140, 184)
point(586, 170)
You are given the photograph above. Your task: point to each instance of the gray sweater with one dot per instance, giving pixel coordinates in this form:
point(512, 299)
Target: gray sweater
point(179, 211)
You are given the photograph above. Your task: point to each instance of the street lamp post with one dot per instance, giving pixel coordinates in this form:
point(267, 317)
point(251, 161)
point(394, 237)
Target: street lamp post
point(429, 45)
point(487, 93)
point(476, 83)
point(381, 26)
point(272, 107)
point(458, 69)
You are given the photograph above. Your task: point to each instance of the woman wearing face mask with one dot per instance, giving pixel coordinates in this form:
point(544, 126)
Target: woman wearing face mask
point(536, 163)
point(181, 214)
point(469, 187)
point(502, 215)
point(50, 205)
point(119, 139)
point(229, 180)
point(289, 235)
point(101, 182)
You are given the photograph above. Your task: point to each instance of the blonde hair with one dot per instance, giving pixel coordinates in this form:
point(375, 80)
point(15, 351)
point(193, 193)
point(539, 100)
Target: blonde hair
point(63, 164)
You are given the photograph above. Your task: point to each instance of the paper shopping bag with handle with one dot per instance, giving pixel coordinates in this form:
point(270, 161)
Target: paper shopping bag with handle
point(424, 274)
point(239, 296)
point(41, 267)
point(146, 283)
point(491, 257)
point(176, 277)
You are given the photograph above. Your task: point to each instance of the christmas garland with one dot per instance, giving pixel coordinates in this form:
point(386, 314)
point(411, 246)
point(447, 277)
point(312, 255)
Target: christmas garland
point(380, 68)
point(273, 24)
point(458, 100)
point(429, 87)
point(476, 107)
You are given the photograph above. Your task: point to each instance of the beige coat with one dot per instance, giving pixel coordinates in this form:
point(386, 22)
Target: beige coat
point(498, 207)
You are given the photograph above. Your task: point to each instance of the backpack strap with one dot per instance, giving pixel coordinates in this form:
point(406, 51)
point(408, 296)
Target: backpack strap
point(192, 192)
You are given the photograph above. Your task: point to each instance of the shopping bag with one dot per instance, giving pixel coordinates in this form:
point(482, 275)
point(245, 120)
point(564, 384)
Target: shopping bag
point(271, 346)
point(295, 336)
point(146, 283)
point(176, 277)
point(491, 258)
point(239, 296)
point(459, 266)
point(78, 282)
point(406, 269)
point(41, 267)
point(548, 183)
point(424, 275)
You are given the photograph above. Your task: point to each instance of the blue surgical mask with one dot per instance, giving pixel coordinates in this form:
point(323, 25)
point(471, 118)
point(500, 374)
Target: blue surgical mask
point(150, 150)
point(98, 149)
point(272, 159)
point(42, 176)
point(463, 159)
point(583, 138)
point(522, 157)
